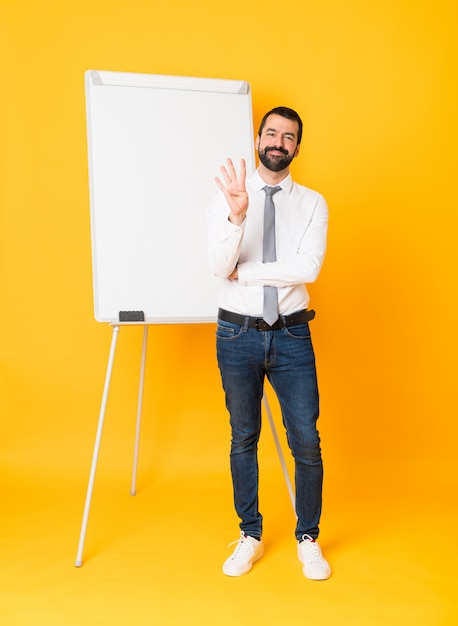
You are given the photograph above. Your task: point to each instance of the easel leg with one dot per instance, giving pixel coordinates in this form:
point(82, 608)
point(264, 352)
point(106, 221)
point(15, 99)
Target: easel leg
point(279, 450)
point(133, 489)
point(95, 455)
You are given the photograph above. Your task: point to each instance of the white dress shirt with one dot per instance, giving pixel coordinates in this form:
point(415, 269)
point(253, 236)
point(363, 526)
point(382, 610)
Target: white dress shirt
point(301, 219)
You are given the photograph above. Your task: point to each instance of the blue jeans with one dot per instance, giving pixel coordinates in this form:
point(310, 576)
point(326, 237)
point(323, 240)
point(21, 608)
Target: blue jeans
point(286, 357)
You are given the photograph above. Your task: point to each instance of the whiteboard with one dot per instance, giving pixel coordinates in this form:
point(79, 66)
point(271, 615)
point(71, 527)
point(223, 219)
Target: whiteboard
point(155, 144)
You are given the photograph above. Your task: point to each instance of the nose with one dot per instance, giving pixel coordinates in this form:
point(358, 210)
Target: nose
point(277, 142)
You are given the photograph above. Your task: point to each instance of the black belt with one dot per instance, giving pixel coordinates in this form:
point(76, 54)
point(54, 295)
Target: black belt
point(300, 317)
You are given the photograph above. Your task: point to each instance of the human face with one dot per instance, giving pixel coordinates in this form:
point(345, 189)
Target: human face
point(277, 146)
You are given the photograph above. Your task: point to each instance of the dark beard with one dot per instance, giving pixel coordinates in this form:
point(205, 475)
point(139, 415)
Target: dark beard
point(274, 164)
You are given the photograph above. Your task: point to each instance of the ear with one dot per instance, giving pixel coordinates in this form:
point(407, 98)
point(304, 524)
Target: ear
point(256, 143)
point(297, 150)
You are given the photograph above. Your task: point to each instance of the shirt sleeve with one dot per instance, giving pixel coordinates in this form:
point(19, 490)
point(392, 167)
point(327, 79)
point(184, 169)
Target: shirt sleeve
point(224, 238)
point(300, 265)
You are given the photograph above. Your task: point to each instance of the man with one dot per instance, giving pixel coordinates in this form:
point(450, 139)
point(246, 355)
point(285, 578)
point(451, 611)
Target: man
point(250, 348)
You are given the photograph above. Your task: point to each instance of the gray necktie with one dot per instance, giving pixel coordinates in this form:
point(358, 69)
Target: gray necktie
point(270, 310)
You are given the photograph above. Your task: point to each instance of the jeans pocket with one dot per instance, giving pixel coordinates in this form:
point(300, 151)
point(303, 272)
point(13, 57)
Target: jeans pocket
point(226, 331)
point(301, 331)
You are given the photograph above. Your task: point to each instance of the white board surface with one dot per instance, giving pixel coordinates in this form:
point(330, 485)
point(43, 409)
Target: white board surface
point(155, 144)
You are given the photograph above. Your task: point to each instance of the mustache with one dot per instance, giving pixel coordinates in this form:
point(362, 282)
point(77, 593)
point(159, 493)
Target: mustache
point(277, 149)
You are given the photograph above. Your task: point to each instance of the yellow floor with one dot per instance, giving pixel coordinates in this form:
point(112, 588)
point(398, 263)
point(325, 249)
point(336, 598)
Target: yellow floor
point(156, 558)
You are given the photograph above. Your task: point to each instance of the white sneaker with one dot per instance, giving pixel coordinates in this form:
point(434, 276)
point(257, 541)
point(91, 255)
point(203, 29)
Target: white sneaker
point(247, 551)
point(314, 564)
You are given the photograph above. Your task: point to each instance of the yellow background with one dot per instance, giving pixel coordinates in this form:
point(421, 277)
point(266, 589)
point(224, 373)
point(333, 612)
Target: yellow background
point(376, 85)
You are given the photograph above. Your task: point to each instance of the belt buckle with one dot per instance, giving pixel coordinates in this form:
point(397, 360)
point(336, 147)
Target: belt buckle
point(258, 320)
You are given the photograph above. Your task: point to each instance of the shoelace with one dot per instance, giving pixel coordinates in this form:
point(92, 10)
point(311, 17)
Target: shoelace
point(244, 549)
point(311, 549)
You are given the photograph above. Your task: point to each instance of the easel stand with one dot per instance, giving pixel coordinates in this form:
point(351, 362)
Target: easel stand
point(103, 406)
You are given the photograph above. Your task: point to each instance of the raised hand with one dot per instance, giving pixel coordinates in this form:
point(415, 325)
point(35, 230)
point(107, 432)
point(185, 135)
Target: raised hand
point(234, 190)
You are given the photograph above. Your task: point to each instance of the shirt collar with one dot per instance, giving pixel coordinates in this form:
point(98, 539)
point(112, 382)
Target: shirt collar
point(258, 183)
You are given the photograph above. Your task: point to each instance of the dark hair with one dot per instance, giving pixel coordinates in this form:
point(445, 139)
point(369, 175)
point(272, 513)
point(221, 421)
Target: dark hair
point(290, 114)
